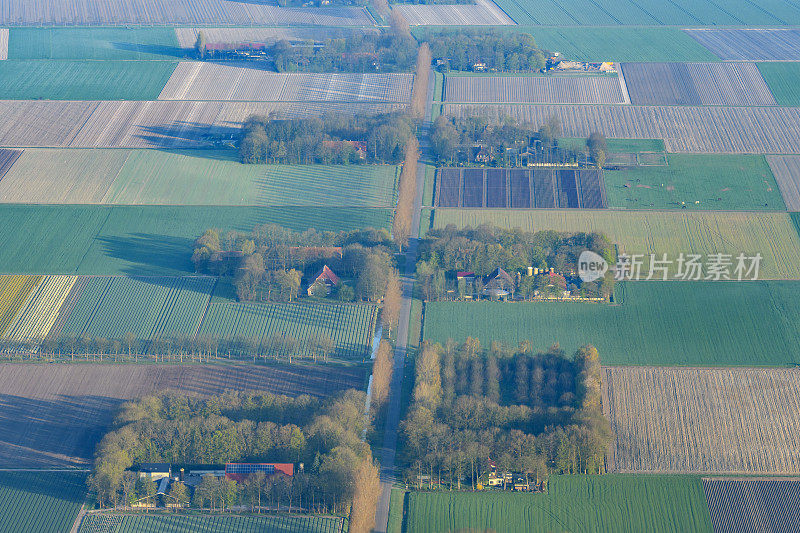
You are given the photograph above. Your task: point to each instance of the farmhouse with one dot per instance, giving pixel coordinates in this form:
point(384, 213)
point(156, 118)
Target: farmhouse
point(240, 471)
point(155, 471)
point(499, 284)
point(326, 278)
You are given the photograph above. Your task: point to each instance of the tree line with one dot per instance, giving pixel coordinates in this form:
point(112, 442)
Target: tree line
point(245, 427)
point(534, 413)
point(497, 50)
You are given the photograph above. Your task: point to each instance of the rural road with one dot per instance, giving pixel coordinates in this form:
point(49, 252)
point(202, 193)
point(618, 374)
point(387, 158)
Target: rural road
point(389, 450)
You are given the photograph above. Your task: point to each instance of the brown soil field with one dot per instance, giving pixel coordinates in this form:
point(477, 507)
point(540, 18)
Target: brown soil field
point(55, 414)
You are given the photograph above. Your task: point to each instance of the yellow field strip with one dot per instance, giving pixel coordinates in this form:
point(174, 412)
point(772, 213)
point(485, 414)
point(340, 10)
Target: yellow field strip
point(14, 291)
point(33, 323)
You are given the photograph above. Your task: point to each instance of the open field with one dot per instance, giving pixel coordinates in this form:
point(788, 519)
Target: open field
point(216, 81)
point(187, 37)
point(482, 13)
point(178, 12)
point(773, 235)
point(718, 182)
point(786, 169)
point(741, 420)
point(3, 43)
point(35, 318)
point(534, 89)
point(14, 291)
point(751, 505)
point(83, 80)
point(136, 43)
point(37, 502)
point(148, 124)
point(202, 177)
point(695, 84)
point(54, 415)
point(573, 503)
point(7, 160)
point(783, 80)
point(654, 323)
point(651, 13)
point(143, 240)
point(750, 44)
point(760, 130)
point(520, 188)
point(171, 523)
point(350, 326)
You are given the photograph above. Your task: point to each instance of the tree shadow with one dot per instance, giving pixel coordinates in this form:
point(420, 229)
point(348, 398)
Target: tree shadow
point(150, 254)
point(183, 134)
point(154, 49)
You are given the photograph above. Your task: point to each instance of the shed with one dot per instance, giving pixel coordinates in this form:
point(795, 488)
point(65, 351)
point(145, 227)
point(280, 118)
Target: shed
point(155, 471)
point(240, 471)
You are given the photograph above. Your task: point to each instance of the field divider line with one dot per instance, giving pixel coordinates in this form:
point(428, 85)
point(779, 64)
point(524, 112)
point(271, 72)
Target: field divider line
point(626, 98)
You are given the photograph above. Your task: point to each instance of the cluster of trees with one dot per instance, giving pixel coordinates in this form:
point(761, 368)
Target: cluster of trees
point(483, 249)
point(330, 139)
point(245, 427)
point(270, 262)
point(528, 412)
point(498, 50)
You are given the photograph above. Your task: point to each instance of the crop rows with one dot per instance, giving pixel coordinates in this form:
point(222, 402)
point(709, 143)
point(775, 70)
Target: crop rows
point(7, 160)
point(761, 130)
point(350, 327)
point(187, 37)
point(177, 12)
point(520, 188)
point(210, 81)
point(148, 124)
point(753, 505)
point(481, 13)
point(534, 89)
point(37, 316)
point(3, 43)
point(703, 420)
point(786, 169)
point(750, 44)
point(98, 43)
point(165, 523)
point(694, 84)
point(14, 291)
point(37, 502)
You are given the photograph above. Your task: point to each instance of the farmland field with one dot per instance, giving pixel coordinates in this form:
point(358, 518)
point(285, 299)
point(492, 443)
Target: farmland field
point(760, 130)
point(7, 160)
point(212, 81)
point(741, 420)
point(718, 182)
point(178, 12)
point(750, 44)
point(694, 84)
point(83, 80)
point(3, 43)
point(54, 415)
point(187, 37)
point(482, 12)
point(786, 169)
point(573, 503)
point(39, 313)
point(349, 326)
point(773, 235)
point(656, 323)
point(783, 80)
point(170, 523)
point(154, 43)
point(14, 291)
point(751, 505)
point(534, 89)
point(143, 240)
point(38, 502)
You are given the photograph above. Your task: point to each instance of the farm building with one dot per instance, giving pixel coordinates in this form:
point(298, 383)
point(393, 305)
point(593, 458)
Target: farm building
point(155, 471)
point(326, 278)
point(499, 284)
point(240, 471)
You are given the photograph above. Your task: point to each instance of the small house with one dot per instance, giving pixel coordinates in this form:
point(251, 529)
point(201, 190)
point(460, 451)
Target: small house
point(155, 471)
point(469, 277)
point(326, 278)
point(499, 284)
point(479, 67)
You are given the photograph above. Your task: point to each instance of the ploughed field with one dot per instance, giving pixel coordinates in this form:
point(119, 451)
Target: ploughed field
point(750, 505)
point(172, 523)
point(35, 502)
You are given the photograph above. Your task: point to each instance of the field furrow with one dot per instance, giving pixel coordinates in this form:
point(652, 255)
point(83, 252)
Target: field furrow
point(534, 89)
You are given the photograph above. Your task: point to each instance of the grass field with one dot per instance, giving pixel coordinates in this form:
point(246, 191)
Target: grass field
point(83, 80)
point(661, 232)
point(37, 502)
point(141, 43)
point(783, 80)
point(616, 145)
point(142, 240)
point(573, 503)
point(657, 323)
point(170, 523)
point(718, 182)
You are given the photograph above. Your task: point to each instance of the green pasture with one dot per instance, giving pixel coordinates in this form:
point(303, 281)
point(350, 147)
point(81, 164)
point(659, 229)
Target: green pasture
point(37, 502)
point(136, 43)
point(783, 79)
point(616, 145)
point(653, 323)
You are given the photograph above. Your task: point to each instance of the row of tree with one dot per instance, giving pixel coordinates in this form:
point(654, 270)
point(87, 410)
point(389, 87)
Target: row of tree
point(463, 49)
point(475, 410)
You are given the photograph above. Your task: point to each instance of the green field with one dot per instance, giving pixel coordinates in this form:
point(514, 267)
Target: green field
point(616, 145)
point(350, 326)
point(142, 240)
point(717, 182)
point(783, 80)
point(657, 323)
point(83, 80)
point(38, 502)
point(773, 235)
point(612, 502)
point(144, 43)
point(171, 523)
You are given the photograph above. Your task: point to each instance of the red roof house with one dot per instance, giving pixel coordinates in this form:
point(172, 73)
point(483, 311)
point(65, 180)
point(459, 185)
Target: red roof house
point(325, 277)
